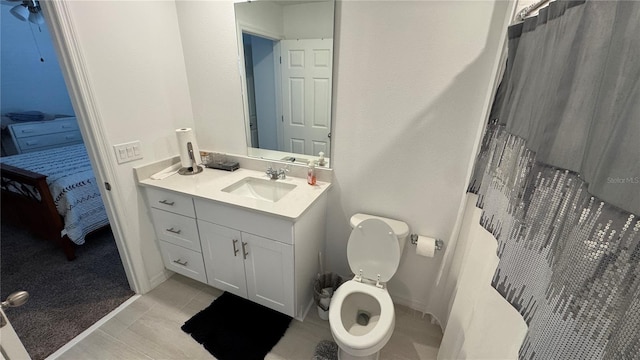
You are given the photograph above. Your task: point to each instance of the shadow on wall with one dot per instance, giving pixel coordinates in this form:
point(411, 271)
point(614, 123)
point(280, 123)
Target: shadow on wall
point(403, 164)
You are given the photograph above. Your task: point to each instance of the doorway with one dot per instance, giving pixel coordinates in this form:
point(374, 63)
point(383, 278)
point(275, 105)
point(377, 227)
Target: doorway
point(262, 91)
point(66, 297)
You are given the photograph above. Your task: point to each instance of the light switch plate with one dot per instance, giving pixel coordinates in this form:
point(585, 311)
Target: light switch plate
point(128, 151)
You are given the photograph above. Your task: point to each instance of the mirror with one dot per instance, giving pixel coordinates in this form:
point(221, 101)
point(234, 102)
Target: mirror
point(287, 47)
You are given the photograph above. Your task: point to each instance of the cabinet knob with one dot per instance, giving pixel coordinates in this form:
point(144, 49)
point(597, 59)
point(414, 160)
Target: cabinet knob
point(244, 250)
point(235, 250)
point(180, 262)
point(172, 230)
point(166, 202)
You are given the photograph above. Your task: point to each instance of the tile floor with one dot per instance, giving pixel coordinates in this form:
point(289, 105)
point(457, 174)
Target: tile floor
point(149, 328)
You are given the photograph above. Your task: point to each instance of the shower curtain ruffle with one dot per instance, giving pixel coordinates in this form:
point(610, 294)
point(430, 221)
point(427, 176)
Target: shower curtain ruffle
point(569, 262)
point(558, 179)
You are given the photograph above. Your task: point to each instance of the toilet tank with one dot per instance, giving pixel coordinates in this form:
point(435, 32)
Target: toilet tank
point(400, 228)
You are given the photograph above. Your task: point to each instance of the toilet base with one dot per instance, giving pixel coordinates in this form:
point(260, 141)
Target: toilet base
point(343, 355)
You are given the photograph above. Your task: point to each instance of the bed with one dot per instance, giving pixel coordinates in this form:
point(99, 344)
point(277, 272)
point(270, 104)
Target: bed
point(54, 194)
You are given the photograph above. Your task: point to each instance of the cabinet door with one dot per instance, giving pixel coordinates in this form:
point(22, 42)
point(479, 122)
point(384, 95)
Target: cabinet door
point(269, 271)
point(222, 252)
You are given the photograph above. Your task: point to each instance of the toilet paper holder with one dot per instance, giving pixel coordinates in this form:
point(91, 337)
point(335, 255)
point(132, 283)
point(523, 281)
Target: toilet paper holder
point(439, 243)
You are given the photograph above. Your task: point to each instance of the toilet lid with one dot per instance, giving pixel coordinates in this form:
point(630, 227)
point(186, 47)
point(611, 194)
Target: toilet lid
point(373, 248)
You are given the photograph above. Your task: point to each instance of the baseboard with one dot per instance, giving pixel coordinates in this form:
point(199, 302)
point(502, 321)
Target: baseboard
point(159, 278)
point(410, 303)
point(306, 311)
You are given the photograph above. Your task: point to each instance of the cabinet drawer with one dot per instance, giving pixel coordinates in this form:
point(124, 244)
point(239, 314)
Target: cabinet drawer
point(248, 221)
point(183, 261)
point(170, 201)
point(44, 127)
point(42, 142)
point(176, 229)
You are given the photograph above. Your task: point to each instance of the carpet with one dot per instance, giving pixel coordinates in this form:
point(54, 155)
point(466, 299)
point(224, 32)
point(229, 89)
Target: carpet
point(66, 297)
point(234, 328)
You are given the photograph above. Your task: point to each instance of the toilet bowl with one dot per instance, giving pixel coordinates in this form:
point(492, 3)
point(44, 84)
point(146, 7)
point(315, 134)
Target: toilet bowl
point(361, 313)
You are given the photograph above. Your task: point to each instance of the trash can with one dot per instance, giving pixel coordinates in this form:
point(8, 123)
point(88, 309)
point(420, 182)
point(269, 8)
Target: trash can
point(323, 288)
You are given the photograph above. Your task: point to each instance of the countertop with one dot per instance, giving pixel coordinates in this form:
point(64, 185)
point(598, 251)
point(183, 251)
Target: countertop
point(209, 183)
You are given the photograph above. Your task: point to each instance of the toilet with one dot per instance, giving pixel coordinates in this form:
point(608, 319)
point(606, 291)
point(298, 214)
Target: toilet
point(361, 313)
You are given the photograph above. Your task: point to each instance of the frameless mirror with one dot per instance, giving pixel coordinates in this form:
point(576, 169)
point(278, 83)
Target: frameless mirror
point(287, 47)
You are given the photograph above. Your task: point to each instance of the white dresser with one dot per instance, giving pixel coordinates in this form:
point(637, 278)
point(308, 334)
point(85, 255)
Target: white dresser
point(42, 135)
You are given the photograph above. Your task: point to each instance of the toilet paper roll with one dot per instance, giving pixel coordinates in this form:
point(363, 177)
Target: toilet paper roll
point(185, 136)
point(426, 246)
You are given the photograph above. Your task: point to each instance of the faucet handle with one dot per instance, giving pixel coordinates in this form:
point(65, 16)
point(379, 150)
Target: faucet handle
point(272, 173)
point(282, 173)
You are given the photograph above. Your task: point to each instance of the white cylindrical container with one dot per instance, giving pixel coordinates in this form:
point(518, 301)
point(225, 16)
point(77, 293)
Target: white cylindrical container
point(185, 136)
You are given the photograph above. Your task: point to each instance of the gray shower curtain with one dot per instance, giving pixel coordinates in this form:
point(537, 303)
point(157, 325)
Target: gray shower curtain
point(573, 92)
point(558, 179)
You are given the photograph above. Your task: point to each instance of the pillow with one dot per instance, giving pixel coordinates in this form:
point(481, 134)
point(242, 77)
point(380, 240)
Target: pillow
point(6, 121)
point(26, 116)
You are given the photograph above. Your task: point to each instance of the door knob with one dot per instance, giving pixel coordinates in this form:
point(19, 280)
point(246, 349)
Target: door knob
point(15, 299)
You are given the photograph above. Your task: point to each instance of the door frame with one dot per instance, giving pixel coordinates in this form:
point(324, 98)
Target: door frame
point(11, 347)
point(252, 30)
point(73, 67)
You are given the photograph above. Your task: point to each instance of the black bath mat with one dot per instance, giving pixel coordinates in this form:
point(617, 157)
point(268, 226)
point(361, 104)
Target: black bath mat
point(234, 328)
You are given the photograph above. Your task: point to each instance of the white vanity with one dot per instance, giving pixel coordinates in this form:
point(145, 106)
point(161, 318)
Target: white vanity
point(224, 229)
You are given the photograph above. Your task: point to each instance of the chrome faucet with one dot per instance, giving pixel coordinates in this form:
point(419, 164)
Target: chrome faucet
point(277, 174)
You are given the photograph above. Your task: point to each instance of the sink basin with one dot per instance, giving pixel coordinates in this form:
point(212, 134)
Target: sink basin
point(261, 189)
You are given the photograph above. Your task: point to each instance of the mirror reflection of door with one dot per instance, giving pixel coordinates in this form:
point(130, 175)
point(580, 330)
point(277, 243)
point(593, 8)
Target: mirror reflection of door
point(306, 93)
point(295, 74)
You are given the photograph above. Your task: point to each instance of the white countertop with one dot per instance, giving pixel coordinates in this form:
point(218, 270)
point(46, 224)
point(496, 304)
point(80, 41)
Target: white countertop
point(209, 184)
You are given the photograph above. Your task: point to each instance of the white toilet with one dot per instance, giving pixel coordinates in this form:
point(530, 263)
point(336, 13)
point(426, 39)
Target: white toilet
point(361, 313)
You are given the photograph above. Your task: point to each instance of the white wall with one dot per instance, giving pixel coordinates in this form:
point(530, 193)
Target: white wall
point(133, 55)
point(262, 16)
point(289, 21)
point(208, 33)
point(27, 83)
point(412, 81)
point(308, 21)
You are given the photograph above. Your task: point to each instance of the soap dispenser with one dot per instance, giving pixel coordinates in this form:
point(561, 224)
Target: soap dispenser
point(311, 173)
point(321, 161)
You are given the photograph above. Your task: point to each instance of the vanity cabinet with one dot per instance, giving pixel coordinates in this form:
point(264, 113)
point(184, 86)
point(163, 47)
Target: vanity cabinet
point(271, 260)
point(250, 266)
point(249, 254)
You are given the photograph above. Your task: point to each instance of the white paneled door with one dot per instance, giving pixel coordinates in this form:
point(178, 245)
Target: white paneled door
point(306, 95)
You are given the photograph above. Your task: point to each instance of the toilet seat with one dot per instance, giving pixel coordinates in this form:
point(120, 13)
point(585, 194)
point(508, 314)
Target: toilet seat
point(375, 339)
point(373, 251)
